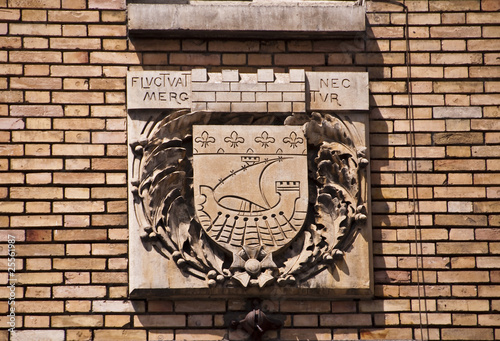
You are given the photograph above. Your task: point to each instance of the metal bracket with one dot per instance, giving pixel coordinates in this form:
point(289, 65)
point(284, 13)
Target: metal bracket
point(256, 323)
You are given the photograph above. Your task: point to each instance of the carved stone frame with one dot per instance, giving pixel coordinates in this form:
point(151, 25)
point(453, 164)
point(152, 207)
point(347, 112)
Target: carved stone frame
point(334, 251)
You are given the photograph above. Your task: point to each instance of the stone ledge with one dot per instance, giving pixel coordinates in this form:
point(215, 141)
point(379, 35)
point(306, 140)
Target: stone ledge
point(247, 19)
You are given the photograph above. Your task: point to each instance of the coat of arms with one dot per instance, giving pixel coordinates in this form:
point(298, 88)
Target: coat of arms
point(250, 188)
point(258, 201)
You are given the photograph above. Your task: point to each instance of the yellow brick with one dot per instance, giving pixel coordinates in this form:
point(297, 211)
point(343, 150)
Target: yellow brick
point(200, 306)
point(107, 30)
point(77, 137)
point(11, 96)
point(489, 320)
point(113, 16)
point(76, 234)
point(38, 207)
point(118, 292)
point(39, 277)
point(36, 220)
point(77, 249)
point(109, 249)
point(34, 15)
point(78, 149)
point(76, 71)
point(37, 96)
point(109, 219)
point(484, 71)
point(389, 193)
point(123, 334)
point(79, 291)
point(109, 277)
point(74, 16)
point(77, 306)
point(77, 193)
point(75, 84)
point(77, 321)
point(76, 278)
point(74, 30)
point(164, 321)
point(116, 320)
point(419, 71)
point(36, 321)
point(36, 193)
point(454, 45)
point(467, 334)
point(26, 306)
point(79, 263)
point(77, 97)
point(79, 178)
point(74, 4)
point(482, 18)
point(78, 206)
point(35, 29)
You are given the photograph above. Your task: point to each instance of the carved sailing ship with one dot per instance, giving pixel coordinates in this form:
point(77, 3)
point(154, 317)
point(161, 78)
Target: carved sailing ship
point(256, 191)
point(251, 218)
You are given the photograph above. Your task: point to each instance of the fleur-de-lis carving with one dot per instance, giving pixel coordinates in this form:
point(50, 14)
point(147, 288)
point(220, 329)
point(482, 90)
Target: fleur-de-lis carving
point(204, 139)
point(293, 139)
point(234, 139)
point(264, 139)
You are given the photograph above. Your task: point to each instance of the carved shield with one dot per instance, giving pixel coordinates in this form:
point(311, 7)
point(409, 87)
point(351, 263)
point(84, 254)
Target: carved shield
point(250, 184)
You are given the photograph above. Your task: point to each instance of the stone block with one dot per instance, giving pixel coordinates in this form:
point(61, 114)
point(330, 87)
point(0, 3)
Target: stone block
point(286, 87)
point(248, 87)
point(265, 75)
point(248, 96)
point(249, 107)
point(299, 107)
point(221, 107)
point(297, 76)
point(199, 106)
point(337, 91)
point(210, 86)
point(163, 89)
point(230, 76)
point(199, 75)
point(279, 106)
point(237, 19)
point(269, 97)
point(208, 96)
point(294, 96)
point(231, 96)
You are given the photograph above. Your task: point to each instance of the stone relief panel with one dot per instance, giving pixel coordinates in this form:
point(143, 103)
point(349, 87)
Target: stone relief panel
point(249, 203)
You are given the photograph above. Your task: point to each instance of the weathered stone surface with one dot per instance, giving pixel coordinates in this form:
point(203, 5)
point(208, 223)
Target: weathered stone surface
point(225, 238)
point(337, 90)
point(265, 91)
point(251, 19)
point(158, 89)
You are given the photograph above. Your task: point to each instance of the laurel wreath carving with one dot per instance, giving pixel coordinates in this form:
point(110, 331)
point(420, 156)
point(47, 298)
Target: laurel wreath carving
point(162, 187)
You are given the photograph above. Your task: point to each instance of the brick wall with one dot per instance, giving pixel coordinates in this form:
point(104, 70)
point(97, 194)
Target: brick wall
point(63, 172)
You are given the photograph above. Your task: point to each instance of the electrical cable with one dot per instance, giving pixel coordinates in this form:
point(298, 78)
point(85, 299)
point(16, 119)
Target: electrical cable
point(416, 207)
point(413, 165)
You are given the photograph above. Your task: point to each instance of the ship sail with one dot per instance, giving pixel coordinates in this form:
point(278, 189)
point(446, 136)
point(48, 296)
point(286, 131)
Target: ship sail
point(254, 198)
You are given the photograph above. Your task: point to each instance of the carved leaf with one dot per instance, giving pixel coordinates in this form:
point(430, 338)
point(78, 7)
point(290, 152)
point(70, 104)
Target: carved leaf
point(295, 264)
